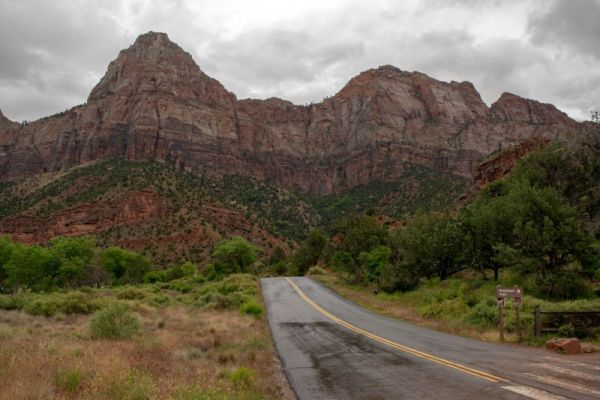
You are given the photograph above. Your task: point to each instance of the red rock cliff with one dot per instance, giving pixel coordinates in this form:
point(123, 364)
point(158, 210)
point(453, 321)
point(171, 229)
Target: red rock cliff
point(155, 103)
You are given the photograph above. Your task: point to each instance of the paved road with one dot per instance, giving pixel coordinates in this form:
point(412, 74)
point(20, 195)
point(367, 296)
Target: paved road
point(331, 348)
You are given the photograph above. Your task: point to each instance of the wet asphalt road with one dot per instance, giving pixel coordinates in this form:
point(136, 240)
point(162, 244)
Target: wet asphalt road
point(324, 359)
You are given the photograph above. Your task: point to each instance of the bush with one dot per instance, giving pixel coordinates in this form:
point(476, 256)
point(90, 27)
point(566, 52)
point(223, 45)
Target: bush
point(567, 330)
point(446, 309)
point(66, 303)
point(484, 314)
point(131, 293)
point(563, 286)
point(316, 271)
point(170, 274)
point(251, 307)
point(218, 301)
point(134, 385)
point(8, 302)
point(114, 322)
point(241, 377)
point(69, 380)
point(234, 255)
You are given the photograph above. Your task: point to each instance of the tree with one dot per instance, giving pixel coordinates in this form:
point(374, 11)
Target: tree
point(125, 266)
point(32, 267)
point(309, 252)
point(546, 234)
point(431, 244)
point(376, 263)
point(6, 248)
point(74, 255)
point(355, 235)
point(234, 255)
point(487, 223)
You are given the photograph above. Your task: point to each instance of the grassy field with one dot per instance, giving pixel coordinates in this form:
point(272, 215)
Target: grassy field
point(462, 306)
point(189, 339)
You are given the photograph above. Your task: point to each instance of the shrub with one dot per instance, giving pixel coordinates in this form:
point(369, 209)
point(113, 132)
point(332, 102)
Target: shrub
point(66, 303)
point(8, 302)
point(484, 314)
point(251, 307)
point(316, 271)
point(134, 385)
point(160, 300)
point(69, 380)
point(241, 377)
point(182, 286)
point(131, 293)
point(563, 286)
point(567, 330)
point(234, 255)
point(446, 309)
point(114, 322)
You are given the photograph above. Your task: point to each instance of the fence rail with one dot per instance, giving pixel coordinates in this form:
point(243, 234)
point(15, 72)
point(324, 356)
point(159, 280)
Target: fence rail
point(537, 320)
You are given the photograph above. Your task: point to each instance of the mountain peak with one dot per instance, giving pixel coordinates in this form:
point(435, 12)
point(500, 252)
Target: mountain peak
point(152, 38)
point(511, 107)
point(154, 65)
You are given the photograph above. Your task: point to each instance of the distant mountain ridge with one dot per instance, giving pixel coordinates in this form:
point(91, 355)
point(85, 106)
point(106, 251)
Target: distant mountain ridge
point(154, 103)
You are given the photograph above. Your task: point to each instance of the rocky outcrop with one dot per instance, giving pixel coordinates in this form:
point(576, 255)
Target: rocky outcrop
point(155, 103)
point(501, 164)
point(91, 218)
point(142, 214)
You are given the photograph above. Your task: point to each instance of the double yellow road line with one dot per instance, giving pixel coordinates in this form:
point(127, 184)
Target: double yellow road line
point(426, 356)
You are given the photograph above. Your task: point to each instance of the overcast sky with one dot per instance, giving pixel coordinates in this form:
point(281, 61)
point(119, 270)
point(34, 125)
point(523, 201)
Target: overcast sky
point(52, 52)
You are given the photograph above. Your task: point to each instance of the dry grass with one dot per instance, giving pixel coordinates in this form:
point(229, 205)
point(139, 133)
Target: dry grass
point(181, 352)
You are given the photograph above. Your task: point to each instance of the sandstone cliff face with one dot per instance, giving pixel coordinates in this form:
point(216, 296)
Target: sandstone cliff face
point(85, 219)
point(140, 213)
point(155, 103)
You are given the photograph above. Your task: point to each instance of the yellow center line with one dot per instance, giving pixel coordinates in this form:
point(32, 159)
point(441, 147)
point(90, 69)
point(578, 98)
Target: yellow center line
point(426, 356)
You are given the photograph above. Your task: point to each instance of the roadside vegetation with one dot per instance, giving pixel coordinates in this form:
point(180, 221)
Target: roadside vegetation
point(537, 228)
point(106, 324)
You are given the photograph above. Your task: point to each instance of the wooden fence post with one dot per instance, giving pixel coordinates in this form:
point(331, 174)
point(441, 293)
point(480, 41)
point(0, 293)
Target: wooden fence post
point(537, 322)
point(501, 318)
point(518, 319)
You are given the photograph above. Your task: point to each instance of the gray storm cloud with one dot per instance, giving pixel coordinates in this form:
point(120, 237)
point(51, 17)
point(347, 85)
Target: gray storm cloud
point(53, 53)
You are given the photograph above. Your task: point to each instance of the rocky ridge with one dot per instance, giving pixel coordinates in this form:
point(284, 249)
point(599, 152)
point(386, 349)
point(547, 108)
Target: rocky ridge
point(154, 103)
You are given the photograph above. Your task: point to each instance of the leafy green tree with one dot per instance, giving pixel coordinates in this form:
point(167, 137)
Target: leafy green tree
point(125, 266)
point(487, 223)
point(309, 252)
point(431, 245)
point(74, 255)
point(6, 248)
point(355, 235)
point(32, 267)
point(546, 234)
point(234, 255)
point(376, 263)
point(514, 223)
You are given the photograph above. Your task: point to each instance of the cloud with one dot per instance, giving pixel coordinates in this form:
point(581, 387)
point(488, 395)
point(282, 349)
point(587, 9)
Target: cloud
point(53, 53)
point(569, 25)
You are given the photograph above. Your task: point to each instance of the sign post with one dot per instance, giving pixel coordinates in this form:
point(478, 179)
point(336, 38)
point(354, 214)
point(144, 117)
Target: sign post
point(509, 293)
point(501, 318)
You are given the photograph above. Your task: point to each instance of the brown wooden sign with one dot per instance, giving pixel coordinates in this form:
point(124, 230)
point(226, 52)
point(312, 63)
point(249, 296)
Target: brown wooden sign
point(508, 293)
point(503, 293)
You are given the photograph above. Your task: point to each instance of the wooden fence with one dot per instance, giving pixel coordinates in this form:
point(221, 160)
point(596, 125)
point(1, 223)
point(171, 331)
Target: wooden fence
point(577, 318)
